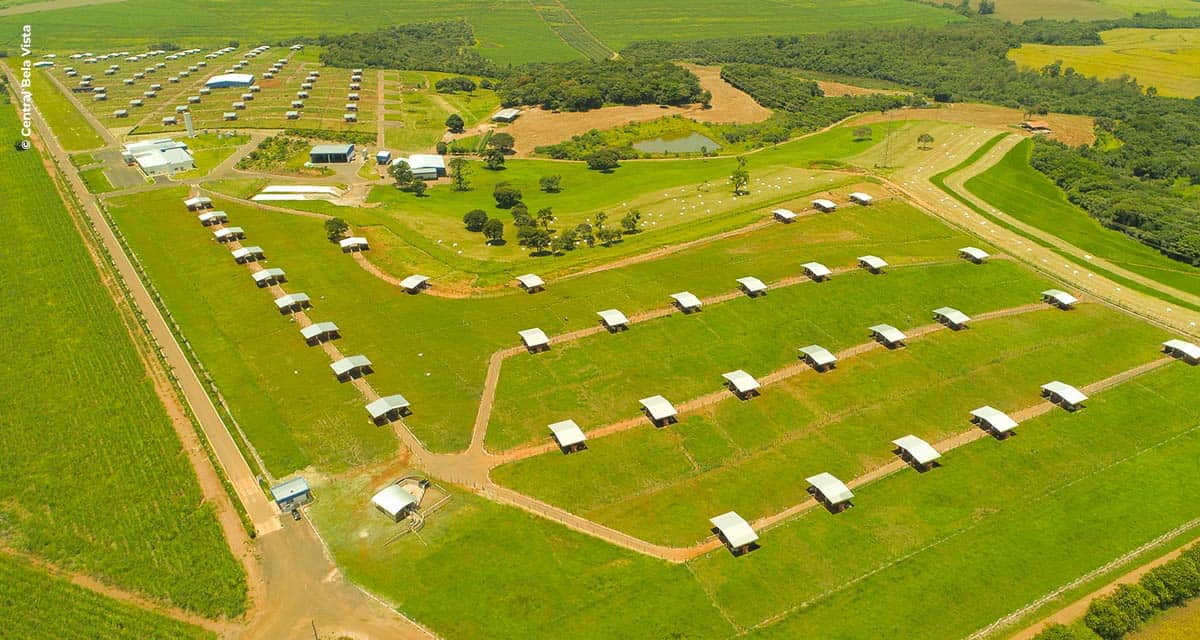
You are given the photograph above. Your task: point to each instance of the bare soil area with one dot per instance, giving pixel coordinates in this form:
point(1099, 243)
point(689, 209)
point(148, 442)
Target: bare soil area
point(1070, 129)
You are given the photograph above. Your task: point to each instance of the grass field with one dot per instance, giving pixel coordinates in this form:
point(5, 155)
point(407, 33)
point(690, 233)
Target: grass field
point(95, 479)
point(1085, 10)
point(95, 180)
point(416, 113)
point(1166, 59)
point(1182, 623)
point(37, 606)
point(73, 131)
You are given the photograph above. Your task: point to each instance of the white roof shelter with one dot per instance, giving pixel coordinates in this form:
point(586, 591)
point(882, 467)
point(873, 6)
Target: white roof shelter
point(1059, 298)
point(734, 529)
point(198, 202)
point(861, 198)
point(292, 300)
point(833, 490)
point(613, 319)
point(1182, 348)
point(974, 254)
point(386, 405)
point(752, 285)
point(784, 215)
point(918, 450)
point(531, 282)
point(819, 356)
point(353, 243)
point(995, 419)
point(873, 263)
point(567, 433)
point(816, 270)
point(209, 217)
point(414, 283)
point(824, 204)
point(394, 501)
point(349, 364)
point(268, 275)
point(506, 115)
point(226, 233)
point(686, 300)
point(244, 253)
point(741, 382)
point(951, 316)
point(534, 338)
point(888, 333)
point(659, 408)
point(1064, 392)
point(316, 330)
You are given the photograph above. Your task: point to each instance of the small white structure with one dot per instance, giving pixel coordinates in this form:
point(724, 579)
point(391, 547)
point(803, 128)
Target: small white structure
point(268, 277)
point(121, 113)
point(506, 115)
point(659, 410)
point(212, 217)
point(784, 215)
point(993, 421)
point(531, 283)
point(742, 384)
point(198, 202)
point(613, 320)
point(1186, 351)
point(874, 264)
point(535, 340)
point(752, 286)
point(227, 80)
point(830, 491)
point(353, 243)
point(169, 121)
point(159, 156)
point(973, 254)
point(351, 367)
point(823, 204)
point(735, 532)
point(951, 317)
point(569, 436)
point(388, 408)
point(349, 117)
point(293, 302)
point(319, 332)
point(916, 452)
point(818, 357)
point(686, 301)
point(1060, 299)
point(888, 336)
point(292, 115)
point(414, 283)
point(227, 234)
point(817, 271)
point(859, 197)
point(1064, 395)
point(248, 254)
point(394, 502)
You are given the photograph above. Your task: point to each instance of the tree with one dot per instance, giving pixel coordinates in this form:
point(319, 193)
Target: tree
point(521, 217)
point(631, 221)
point(493, 230)
point(740, 178)
point(608, 236)
point(442, 148)
point(603, 160)
point(924, 141)
point(335, 229)
point(1107, 619)
point(551, 183)
point(475, 219)
point(584, 232)
point(493, 159)
point(987, 7)
point(455, 123)
point(545, 216)
point(506, 195)
point(1136, 601)
point(402, 174)
point(862, 133)
point(502, 141)
point(460, 171)
point(418, 187)
point(535, 238)
point(564, 241)
point(1056, 632)
point(454, 83)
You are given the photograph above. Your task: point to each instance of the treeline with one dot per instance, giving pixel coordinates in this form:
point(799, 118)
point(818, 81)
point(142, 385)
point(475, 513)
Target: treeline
point(1074, 32)
point(431, 46)
point(583, 85)
point(771, 87)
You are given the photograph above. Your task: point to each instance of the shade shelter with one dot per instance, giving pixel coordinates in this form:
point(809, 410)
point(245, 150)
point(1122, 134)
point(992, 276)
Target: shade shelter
point(1186, 351)
point(209, 218)
point(660, 411)
point(319, 332)
point(229, 234)
point(569, 436)
point(613, 320)
point(1064, 395)
point(248, 254)
point(197, 203)
point(351, 367)
point(686, 301)
point(735, 532)
point(951, 317)
point(858, 197)
point(874, 264)
point(973, 254)
point(888, 336)
point(394, 502)
point(824, 204)
point(752, 286)
point(742, 384)
point(818, 357)
point(784, 215)
point(1058, 298)
point(829, 491)
point(414, 283)
point(388, 408)
point(531, 283)
point(535, 340)
point(354, 243)
point(915, 451)
point(268, 277)
point(293, 302)
point(993, 420)
point(817, 271)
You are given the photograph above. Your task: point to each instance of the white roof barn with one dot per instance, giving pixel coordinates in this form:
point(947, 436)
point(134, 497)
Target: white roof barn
point(568, 434)
point(752, 286)
point(1062, 393)
point(394, 502)
point(974, 254)
point(917, 451)
point(874, 264)
point(534, 339)
point(741, 383)
point(224, 234)
point(1183, 350)
point(735, 531)
point(506, 115)
point(388, 407)
point(819, 357)
point(686, 300)
point(888, 335)
point(951, 317)
point(212, 217)
point(816, 271)
point(354, 243)
point(660, 410)
point(613, 319)
point(784, 215)
point(824, 204)
point(264, 277)
point(414, 283)
point(531, 282)
point(350, 365)
point(829, 490)
point(293, 302)
point(319, 332)
point(1058, 298)
point(859, 197)
point(248, 254)
point(993, 420)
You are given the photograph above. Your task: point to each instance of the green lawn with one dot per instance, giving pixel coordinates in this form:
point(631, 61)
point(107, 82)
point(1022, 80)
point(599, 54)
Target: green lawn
point(73, 131)
point(95, 180)
point(94, 479)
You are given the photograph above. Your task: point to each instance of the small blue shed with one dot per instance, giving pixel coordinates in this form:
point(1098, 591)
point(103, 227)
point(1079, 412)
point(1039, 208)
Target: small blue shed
point(290, 494)
point(383, 157)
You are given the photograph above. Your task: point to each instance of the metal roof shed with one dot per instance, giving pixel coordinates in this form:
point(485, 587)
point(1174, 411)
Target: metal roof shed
point(1063, 394)
point(569, 436)
point(248, 254)
point(1059, 298)
point(784, 215)
point(951, 317)
point(614, 320)
point(388, 408)
point(212, 217)
point(291, 493)
point(818, 357)
point(859, 197)
point(752, 286)
point(292, 302)
point(355, 243)
point(686, 301)
point(350, 367)
point(824, 204)
point(320, 332)
point(226, 234)
point(198, 202)
point(916, 451)
point(741, 383)
point(973, 254)
point(874, 264)
point(394, 502)
point(830, 491)
point(735, 532)
point(1183, 350)
point(993, 420)
point(817, 271)
point(268, 277)
point(535, 339)
point(889, 336)
point(531, 283)
point(414, 283)
point(660, 411)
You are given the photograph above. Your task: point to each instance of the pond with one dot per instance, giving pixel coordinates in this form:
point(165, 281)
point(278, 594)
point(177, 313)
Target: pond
point(691, 143)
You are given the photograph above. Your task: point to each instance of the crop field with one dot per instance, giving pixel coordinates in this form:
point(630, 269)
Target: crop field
point(37, 606)
point(73, 131)
point(94, 481)
point(1085, 10)
point(1166, 59)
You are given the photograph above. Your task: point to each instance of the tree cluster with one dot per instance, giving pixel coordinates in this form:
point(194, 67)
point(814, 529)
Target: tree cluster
point(771, 87)
point(434, 46)
point(455, 83)
point(582, 85)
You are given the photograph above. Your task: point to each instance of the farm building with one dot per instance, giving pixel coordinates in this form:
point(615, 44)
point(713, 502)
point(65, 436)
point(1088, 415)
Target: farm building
point(535, 340)
point(355, 243)
point(268, 277)
point(613, 320)
point(659, 410)
point(388, 408)
point(169, 121)
point(292, 493)
point(229, 80)
point(874, 264)
point(823, 204)
point(993, 420)
point(159, 157)
point(394, 502)
point(818, 357)
point(829, 491)
point(352, 97)
point(1186, 351)
point(382, 156)
point(121, 113)
point(293, 302)
point(951, 317)
point(784, 215)
point(427, 166)
point(531, 283)
point(752, 286)
point(229, 234)
point(859, 197)
point(349, 117)
point(315, 334)
point(1064, 395)
point(197, 203)
point(686, 301)
point(414, 283)
point(248, 254)
point(915, 451)
point(817, 271)
point(1060, 299)
point(735, 532)
point(247, 97)
point(568, 435)
point(237, 106)
point(351, 367)
point(329, 153)
point(136, 102)
point(742, 384)
point(506, 115)
point(193, 99)
point(973, 254)
point(888, 336)
point(292, 115)
point(351, 106)
point(1036, 126)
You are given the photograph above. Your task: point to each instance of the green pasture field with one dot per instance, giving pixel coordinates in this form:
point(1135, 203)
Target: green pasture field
point(37, 606)
point(1086, 10)
point(209, 150)
point(1180, 623)
point(95, 180)
point(664, 484)
point(560, 20)
point(95, 479)
point(1166, 59)
point(474, 107)
point(1029, 196)
point(73, 131)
